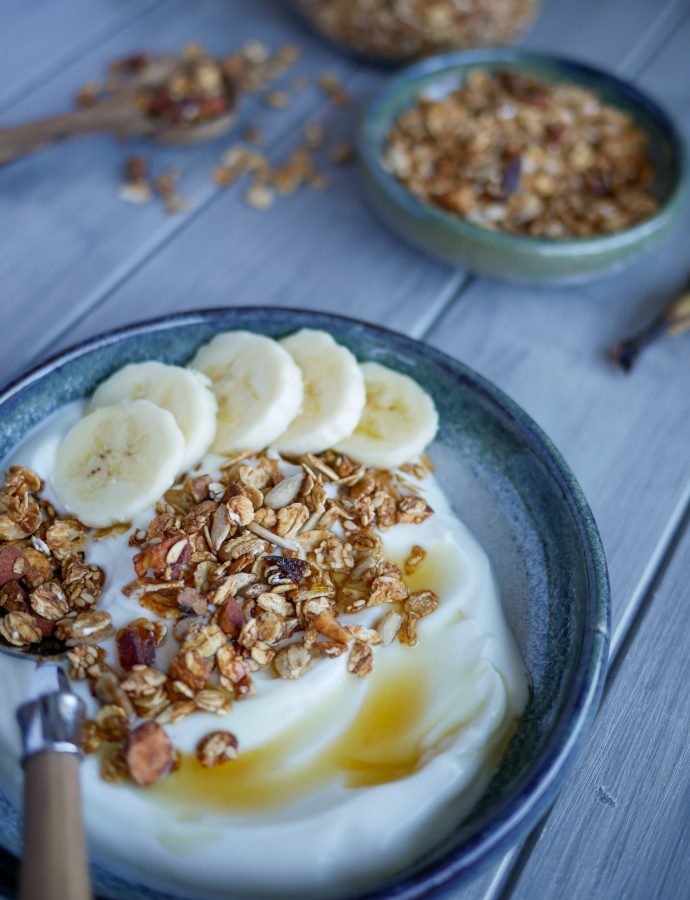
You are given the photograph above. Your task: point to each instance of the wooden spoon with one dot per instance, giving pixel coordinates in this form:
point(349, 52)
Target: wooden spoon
point(121, 115)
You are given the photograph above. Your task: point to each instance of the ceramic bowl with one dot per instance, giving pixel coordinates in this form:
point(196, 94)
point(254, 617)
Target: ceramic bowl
point(514, 491)
point(498, 254)
point(376, 34)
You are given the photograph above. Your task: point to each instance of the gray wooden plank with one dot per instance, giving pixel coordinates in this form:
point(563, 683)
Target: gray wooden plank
point(612, 35)
point(37, 38)
point(339, 257)
point(623, 435)
point(620, 827)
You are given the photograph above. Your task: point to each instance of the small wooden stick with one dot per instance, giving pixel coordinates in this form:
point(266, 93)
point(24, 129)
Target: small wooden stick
point(674, 320)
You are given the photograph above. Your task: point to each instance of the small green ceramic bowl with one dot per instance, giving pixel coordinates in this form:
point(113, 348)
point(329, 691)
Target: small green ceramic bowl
point(498, 254)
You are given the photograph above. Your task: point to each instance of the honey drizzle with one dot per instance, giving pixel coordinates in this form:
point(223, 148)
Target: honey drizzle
point(383, 744)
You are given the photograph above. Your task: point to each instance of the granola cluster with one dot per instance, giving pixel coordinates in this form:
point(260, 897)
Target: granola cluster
point(257, 570)
point(512, 153)
point(195, 91)
point(48, 592)
point(189, 92)
point(406, 29)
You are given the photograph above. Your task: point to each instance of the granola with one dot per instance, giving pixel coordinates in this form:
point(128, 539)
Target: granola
point(244, 597)
point(194, 93)
point(510, 152)
point(216, 748)
point(45, 583)
point(148, 753)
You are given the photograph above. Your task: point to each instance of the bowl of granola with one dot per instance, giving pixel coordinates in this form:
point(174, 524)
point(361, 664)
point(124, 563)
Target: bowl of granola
point(403, 30)
point(292, 626)
point(522, 166)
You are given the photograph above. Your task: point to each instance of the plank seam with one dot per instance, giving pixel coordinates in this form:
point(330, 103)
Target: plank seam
point(456, 293)
point(457, 283)
point(658, 44)
point(623, 638)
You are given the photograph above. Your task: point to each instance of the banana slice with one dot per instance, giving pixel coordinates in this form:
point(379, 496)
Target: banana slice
point(258, 387)
point(333, 393)
point(117, 461)
point(398, 422)
point(183, 392)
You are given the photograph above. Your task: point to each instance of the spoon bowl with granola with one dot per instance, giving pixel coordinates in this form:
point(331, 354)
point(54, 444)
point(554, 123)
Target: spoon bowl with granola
point(181, 100)
point(325, 593)
point(522, 166)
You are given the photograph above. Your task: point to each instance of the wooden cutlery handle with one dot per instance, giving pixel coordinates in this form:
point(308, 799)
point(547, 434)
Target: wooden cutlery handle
point(119, 115)
point(54, 862)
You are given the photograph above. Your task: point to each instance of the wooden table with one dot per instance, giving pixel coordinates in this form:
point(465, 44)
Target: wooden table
point(75, 260)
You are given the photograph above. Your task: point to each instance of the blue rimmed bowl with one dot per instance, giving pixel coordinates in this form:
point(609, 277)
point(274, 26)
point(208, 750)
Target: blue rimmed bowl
point(499, 254)
point(512, 488)
point(386, 36)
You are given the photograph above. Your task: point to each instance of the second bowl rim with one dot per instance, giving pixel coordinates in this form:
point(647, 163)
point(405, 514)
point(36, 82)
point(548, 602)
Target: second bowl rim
point(444, 64)
point(523, 808)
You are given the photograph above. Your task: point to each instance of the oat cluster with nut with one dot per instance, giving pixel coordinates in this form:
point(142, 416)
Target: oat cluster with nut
point(405, 29)
point(510, 152)
point(254, 571)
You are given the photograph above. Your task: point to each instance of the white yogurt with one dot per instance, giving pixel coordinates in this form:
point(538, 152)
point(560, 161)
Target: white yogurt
point(322, 841)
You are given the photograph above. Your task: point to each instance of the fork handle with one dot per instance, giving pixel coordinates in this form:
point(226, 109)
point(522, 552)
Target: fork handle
point(117, 114)
point(54, 865)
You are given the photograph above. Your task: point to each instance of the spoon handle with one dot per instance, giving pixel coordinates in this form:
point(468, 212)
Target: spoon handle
point(119, 115)
point(54, 859)
point(54, 863)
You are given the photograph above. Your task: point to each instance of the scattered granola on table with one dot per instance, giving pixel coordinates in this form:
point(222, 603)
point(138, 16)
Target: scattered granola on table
point(510, 152)
point(299, 170)
point(405, 29)
point(165, 186)
point(135, 187)
point(259, 569)
point(332, 87)
point(192, 95)
point(138, 187)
